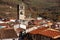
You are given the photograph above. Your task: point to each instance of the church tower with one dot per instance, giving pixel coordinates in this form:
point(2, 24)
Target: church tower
point(22, 11)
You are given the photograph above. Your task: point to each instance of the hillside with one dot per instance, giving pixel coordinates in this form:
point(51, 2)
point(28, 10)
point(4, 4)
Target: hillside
point(45, 8)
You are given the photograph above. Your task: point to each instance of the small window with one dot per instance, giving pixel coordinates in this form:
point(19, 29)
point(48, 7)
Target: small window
point(21, 13)
point(21, 7)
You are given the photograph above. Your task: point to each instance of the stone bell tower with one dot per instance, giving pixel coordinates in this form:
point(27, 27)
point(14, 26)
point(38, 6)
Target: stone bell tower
point(22, 11)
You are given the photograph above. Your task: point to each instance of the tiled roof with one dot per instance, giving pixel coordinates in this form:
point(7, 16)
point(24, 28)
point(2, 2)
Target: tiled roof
point(38, 30)
point(6, 33)
point(50, 33)
point(3, 24)
point(46, 32)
